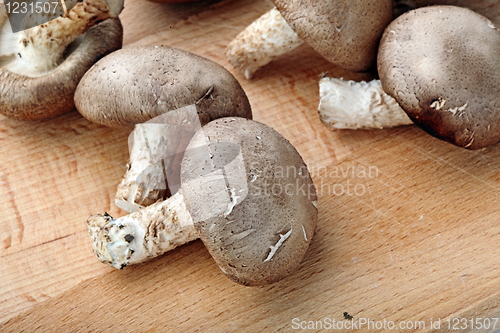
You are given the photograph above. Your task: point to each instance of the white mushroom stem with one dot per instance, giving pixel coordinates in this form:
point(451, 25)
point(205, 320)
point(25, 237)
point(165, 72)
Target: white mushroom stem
point(156, 150)
point(143, 235)
point(268, 37)
point(40, 49)
point(358, 105)
point(146, 178)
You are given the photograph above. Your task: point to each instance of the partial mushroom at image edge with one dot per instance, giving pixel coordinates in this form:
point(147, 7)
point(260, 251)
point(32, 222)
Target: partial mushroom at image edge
point(456, 106)
point(49, 91)
point(452, 87)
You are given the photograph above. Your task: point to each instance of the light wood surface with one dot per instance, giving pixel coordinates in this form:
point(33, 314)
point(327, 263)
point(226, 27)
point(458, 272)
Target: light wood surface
point(409, 227)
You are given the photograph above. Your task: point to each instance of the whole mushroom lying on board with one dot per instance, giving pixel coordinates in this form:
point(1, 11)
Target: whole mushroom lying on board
point(40, 67)
point(441, 65)
point(246, 193)
point(345, 32)
point(137, 84)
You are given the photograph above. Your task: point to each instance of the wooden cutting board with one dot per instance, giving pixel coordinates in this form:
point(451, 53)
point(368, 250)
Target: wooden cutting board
point(408, 235)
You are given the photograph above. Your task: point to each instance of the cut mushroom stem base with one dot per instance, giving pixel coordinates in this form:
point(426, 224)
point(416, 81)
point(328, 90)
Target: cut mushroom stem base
point(143, 235)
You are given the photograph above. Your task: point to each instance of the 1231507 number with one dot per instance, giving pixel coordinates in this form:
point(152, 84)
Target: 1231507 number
point(14, 7)
point(457, 324)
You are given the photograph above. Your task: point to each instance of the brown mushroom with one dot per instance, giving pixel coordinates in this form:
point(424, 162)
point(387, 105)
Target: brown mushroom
point(344, 32)
point(265, 230)
point(441, 65)
point(487, 8)
point(138, 84)
point(245, 192)
point(438, 65)
point(40, 67)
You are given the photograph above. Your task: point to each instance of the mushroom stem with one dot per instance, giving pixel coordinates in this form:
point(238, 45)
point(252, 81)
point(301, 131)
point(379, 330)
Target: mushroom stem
point(143, 235)
point(268, 37)
point(358, 105)
point(144, 182)
point(156, 150)
point(41, 48)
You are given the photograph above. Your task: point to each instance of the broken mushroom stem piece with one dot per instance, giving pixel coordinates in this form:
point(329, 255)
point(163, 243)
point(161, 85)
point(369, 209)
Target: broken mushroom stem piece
point(245, 192)
point(156, 148)
point(40, 49)
point(358, 105)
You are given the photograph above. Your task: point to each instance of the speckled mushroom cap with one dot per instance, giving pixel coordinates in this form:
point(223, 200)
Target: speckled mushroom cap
point(263, 234)
point(442, 65)
point(50, 95)
point(136, 84)
point(488, 8)
point(344, 32)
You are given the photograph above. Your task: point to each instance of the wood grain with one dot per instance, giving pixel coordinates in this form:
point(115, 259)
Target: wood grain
point(403, 246)
point(408, 226)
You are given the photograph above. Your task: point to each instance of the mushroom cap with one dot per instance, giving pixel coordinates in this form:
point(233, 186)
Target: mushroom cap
point(251, 198)
point(345, 32)
point(136, 84)
point(488, 8)
point(50, 95)
point(442, 65)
